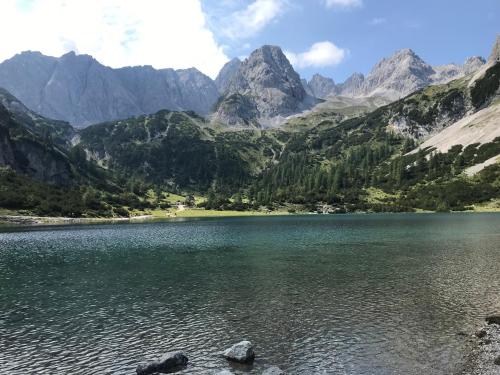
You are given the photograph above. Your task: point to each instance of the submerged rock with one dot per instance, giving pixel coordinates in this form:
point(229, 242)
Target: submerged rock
point(241, 352)
point(274, 370)
point(168, 363)
point(493, 319)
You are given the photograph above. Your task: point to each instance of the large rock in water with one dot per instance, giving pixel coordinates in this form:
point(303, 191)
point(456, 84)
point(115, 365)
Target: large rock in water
point(168, 363)
point(493, 319)
point(241, 352)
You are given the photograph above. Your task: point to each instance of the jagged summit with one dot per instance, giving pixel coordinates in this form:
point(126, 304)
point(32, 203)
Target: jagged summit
point(265, 86)
point(322, 87)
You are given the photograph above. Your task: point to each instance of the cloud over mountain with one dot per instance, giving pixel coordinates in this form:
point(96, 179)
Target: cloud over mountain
point(117, 32)
point(320, 54)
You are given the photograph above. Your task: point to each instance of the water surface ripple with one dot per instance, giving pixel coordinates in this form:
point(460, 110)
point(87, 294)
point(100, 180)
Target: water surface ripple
point(352, 294)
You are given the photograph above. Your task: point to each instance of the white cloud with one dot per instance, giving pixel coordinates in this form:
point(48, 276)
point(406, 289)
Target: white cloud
point(161, 33)
point(320, 54)
point(251, 20)
point(343, 3)
point(378, 21)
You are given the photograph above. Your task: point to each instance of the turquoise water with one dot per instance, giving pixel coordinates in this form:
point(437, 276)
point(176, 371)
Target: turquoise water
point(351, 294)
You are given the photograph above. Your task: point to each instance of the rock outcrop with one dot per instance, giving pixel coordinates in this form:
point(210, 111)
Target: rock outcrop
point(169, 362)
point(241, 352)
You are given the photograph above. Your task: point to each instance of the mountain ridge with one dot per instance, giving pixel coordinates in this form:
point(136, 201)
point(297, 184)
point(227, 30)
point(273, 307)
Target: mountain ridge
point(82, 91)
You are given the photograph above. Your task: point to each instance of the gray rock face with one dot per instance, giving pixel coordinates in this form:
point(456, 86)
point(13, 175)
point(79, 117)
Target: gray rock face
point(398, 75)
point(241, 352)
point(306, 87)
point(269, 84)
point(495, 53)
point(353, 86)
point(321, 87)
point(169, 362)
point(403, 73)
point(226, 74)
point(78, 89)
point(472, 64)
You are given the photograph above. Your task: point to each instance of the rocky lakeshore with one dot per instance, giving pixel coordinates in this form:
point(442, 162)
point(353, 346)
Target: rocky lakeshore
point(47, 220)
point(484, 358)
point(240, 353)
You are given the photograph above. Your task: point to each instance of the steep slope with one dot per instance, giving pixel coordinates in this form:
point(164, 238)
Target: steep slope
point(29, 154)
point(59, 132)
point(226, 74)
point(265, 87)
point(80, 90)
point(480, 129)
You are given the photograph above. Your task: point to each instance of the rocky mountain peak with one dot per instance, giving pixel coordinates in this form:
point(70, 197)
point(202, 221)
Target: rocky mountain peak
point(265, 86)
point(352, 85)
point(472, 64)
point(321, 86)
point(267, 67)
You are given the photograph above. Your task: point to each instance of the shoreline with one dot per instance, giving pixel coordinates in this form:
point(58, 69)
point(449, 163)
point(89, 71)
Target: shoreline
point(484, 352)
point(7, 220)
point(27, 220)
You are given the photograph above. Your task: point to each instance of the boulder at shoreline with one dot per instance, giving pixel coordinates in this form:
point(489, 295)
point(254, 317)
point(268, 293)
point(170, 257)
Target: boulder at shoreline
point(241, 352)
point(168, 363)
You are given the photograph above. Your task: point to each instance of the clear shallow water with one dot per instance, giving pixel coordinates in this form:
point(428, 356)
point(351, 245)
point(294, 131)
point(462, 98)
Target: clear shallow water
point(353, 294)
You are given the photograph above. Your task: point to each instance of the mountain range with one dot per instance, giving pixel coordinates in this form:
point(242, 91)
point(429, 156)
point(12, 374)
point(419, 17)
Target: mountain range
point(394, 77)
point(435, 149)
point(80, 90)
point(262, 90)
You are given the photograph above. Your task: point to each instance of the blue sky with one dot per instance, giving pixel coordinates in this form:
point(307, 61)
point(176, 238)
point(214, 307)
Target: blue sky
point(440, 31)
point(332, 37)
